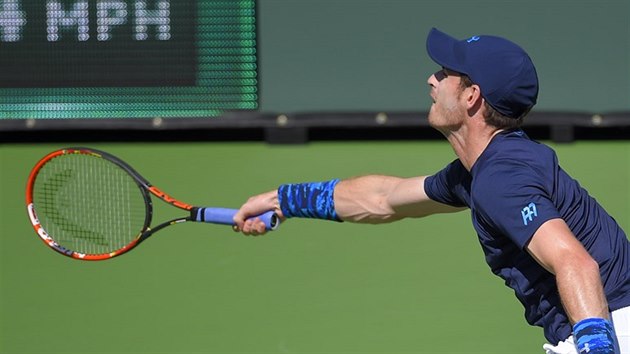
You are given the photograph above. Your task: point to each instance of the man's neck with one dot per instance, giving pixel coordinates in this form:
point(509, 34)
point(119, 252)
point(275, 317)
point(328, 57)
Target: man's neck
point(470, 141)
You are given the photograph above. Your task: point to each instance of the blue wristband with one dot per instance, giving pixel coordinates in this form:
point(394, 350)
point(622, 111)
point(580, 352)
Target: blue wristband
point(594, 336)
point(308, 200)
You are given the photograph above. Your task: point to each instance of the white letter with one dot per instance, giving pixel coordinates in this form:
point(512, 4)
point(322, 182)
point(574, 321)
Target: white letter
point(159, 18)
point(11, 21)
point(57, 17)
point(109, 14)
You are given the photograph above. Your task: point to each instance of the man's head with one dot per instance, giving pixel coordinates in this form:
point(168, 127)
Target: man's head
point(503, 71)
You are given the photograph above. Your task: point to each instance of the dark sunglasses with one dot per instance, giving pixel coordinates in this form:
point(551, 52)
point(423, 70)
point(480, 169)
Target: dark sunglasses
point(443, 73)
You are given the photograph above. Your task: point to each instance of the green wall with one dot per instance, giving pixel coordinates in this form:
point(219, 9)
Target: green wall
point(322, 55)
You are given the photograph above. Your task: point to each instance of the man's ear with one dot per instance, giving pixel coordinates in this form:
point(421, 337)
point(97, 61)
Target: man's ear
point(474, 100)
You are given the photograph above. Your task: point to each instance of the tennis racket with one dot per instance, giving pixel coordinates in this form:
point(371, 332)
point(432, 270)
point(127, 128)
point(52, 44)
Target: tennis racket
point(90, 205)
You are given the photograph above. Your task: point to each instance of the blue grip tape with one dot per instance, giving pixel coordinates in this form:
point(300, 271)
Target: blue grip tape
point(225, 216)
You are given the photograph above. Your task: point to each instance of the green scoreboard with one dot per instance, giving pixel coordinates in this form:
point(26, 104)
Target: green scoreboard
point(126, 58)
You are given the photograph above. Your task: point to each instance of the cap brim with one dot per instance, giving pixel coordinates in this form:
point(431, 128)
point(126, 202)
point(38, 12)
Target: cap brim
point(441, 48)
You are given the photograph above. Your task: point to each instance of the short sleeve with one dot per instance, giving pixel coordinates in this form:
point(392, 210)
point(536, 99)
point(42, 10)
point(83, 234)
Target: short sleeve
point(448, 186)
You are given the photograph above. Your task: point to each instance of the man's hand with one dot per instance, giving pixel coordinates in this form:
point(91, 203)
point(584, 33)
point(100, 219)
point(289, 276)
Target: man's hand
point(256, 205)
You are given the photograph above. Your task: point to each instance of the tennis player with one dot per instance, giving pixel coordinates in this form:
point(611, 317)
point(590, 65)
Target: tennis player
point(566, 259)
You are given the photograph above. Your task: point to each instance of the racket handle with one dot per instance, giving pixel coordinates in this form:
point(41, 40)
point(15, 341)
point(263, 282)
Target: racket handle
point(225, 216)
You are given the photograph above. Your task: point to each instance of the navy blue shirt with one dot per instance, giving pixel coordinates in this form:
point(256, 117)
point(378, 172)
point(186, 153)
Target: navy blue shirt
point(514, 187)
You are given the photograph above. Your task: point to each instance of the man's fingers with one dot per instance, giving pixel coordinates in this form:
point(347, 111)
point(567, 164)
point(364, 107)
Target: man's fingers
point(252, 227)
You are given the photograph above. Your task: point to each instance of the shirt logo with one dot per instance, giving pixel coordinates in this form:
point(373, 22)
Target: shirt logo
point(529, 213)
point(472, 39)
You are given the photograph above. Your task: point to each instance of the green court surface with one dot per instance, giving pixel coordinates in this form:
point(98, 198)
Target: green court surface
point(416, 286)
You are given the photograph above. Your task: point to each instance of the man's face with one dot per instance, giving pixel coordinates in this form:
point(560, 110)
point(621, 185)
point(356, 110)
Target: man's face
point(447, 111)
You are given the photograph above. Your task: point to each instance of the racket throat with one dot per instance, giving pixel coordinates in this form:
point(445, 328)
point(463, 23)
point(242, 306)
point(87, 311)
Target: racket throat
point(196, 214)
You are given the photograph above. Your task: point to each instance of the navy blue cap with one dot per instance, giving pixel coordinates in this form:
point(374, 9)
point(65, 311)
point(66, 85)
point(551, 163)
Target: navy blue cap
point(502, 69)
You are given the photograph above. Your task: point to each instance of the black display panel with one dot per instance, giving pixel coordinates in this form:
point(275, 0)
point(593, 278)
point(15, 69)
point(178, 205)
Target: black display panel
point(118, 59)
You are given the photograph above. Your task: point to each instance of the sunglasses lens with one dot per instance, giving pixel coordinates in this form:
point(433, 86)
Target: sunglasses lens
point(440, 75)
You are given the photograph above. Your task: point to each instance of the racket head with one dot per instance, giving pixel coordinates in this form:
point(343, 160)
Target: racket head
point(87, 204)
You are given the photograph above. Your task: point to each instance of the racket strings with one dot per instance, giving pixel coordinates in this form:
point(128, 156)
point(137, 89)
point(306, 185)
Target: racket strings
point(88, 204)
point(55, 205)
